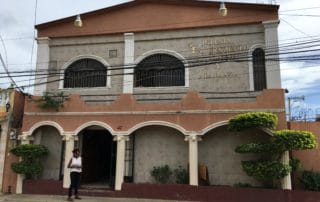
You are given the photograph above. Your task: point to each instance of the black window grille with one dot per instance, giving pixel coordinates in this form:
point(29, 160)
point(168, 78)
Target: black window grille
point(259, 69)
point(159, 70)
point(85, 73)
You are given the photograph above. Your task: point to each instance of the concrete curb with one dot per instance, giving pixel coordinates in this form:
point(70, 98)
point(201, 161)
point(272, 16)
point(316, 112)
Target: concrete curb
point(56, 198)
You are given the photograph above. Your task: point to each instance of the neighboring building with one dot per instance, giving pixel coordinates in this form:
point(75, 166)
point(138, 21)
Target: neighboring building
point(146, 81)
point(11, 113)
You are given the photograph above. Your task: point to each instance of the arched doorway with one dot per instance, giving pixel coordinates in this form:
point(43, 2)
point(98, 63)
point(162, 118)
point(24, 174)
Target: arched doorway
point(98, 151)
point(53, 163)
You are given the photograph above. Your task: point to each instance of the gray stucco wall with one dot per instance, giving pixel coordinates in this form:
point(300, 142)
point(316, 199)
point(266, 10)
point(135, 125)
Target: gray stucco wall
point(63, 50)
point(50, 137)
point(209, 43)
point(216, 151)
point(187, 44)
point(158, 146)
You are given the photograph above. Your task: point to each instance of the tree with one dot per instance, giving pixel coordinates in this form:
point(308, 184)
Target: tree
point(268, 168)
point(30, 154)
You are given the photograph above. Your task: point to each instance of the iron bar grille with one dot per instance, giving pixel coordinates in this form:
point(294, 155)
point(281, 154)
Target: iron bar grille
point(159, 70)
point(259, 69)
point(85, 73)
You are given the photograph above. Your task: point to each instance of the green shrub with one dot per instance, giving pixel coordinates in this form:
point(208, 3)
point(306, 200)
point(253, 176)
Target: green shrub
point(253, 120)
point(285, 140)
point(311, 180)
point(26, 168)
point(29, 151)
point(182, 175)
point(266, 171)
point(52, 100)
point(30, 155)
point(295, 164)
point(257, 148)
point(268, 168)
point(161, 174)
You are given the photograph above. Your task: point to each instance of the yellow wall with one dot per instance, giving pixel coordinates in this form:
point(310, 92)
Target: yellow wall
point(3, 101)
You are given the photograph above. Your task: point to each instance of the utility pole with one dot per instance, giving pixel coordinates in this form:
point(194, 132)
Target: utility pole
point(289, 104)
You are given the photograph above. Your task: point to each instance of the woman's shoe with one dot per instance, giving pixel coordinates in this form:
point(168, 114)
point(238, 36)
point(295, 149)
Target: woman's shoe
point(77, 197)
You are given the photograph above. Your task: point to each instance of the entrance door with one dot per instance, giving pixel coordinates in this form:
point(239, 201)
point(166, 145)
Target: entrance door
point(98, 156)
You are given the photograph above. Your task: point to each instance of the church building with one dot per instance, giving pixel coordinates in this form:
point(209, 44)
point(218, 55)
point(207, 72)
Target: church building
point(150, 83)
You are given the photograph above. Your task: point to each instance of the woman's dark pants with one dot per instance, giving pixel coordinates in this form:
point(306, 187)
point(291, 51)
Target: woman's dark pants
point(75, 181)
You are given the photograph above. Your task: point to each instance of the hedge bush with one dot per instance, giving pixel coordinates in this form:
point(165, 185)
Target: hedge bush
point(285, 140)
point(161, 174)
point(269, 168)
point(253, 120)
point(30, 155)
point(311, 180)
point(182, 175)
point(257, 148)
point(26, 168)
point(266, 171)
point(29, 151)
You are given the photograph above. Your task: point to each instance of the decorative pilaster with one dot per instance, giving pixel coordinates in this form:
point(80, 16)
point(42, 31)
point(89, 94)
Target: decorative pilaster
point(128, 63)
point(286, 181)
point(121, 148)
point(69, 138)
point(193, 157)
point(272, 60)
point(43, 58)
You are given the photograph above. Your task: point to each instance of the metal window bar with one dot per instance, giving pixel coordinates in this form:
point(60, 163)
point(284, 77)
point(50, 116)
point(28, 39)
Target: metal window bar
point(259, 69)
point(85, 73)
point(129, 160)
point(159, 70)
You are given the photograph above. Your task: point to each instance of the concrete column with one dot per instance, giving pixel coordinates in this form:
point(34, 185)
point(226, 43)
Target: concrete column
point(286, 181)
point(128, 62)
point(69, 138)
point(24, 138)
point(193, 158)
point(272, 62)
point(43, 58)
point(121, 149)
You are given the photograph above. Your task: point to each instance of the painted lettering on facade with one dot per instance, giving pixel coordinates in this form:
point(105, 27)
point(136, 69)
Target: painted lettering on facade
point(219, 47)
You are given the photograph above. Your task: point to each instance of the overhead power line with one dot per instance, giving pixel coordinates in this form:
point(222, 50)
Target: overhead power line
point(298, 30)
point(290, 53)
point(283, 49)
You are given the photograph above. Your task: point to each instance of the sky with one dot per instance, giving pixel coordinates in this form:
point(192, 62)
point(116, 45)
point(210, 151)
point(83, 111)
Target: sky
point(299, 21)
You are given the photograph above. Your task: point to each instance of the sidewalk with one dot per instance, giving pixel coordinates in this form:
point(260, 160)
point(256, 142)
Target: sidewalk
point(51, 198)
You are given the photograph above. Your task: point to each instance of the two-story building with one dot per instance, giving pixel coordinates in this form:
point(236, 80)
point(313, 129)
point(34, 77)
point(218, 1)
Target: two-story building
point(151, 83)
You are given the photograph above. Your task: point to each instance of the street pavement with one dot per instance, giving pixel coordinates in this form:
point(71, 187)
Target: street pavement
point(55, 198)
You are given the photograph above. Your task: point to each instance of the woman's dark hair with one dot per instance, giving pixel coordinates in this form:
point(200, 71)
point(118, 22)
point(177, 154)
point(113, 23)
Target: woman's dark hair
point(75, 150)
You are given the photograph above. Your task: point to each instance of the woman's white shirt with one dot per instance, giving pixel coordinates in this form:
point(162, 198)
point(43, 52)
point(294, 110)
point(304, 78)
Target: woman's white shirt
point(76, 162)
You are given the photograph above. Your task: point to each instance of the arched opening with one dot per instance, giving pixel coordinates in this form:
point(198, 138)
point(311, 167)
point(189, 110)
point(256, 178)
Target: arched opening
point(217, 154)
point(151, 146)
point(259, 69)
point(159, 70)
point(85, 73)
point(98, 151)
point(53, 163)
